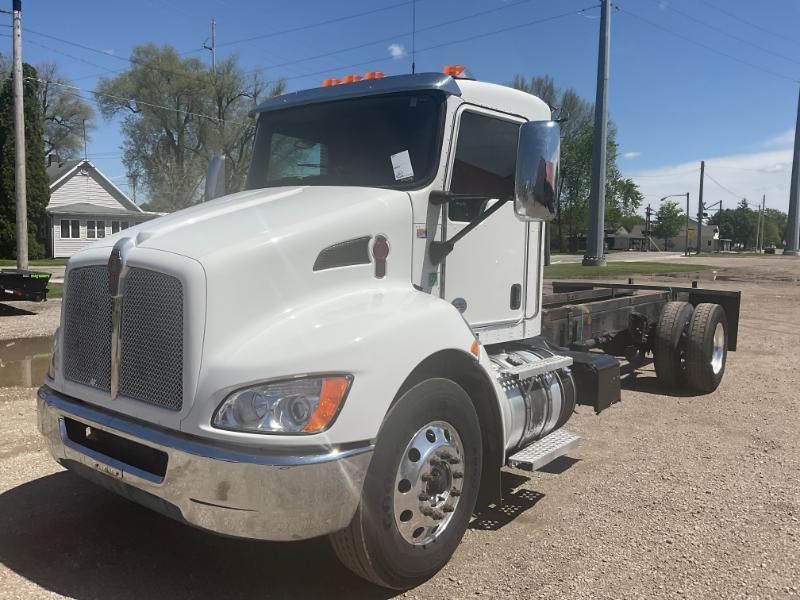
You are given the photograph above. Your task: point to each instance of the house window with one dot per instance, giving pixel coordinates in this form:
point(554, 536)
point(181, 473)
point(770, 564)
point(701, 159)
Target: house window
point(91, 229)
point(70, 229)
point(114, 227)
point(101, 229)
point(124, 224)
point(485, 162)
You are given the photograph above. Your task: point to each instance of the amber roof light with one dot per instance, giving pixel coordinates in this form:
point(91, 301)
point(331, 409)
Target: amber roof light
point(453, 70)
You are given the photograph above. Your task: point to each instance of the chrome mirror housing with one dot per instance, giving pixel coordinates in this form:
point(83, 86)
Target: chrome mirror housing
point(215, 178)
point(536, 182)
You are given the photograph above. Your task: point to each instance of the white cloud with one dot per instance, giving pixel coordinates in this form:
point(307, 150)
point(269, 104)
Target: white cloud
point(744, 175)
point(110, 51)
point(782, 140)
point(397, 51)
point(631, 155)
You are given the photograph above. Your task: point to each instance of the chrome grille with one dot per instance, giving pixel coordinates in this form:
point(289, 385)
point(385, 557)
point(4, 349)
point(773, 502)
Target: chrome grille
point(152, 339)
point(87, 328)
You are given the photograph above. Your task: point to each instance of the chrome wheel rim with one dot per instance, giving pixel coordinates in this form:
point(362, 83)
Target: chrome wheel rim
point(718, 352)
point(428, 484)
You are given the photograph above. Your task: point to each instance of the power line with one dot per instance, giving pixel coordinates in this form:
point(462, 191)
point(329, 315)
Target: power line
point(312, 25)
point(662, 176)
point(393, 37)
point(61, 52)
point(707, 47)
point(725, 33)
point(750, 23)
point(732, 193)
point(453, 42)
point(135, 101)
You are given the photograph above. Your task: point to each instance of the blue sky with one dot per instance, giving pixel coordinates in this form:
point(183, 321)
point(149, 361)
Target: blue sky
point(680, 88)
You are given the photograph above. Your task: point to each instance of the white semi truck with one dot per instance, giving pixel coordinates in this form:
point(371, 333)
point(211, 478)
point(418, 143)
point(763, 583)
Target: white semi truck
point(358, 342)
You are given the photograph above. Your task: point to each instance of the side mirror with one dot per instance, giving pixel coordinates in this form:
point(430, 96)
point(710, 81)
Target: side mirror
point(536, 184)
point(215, 178)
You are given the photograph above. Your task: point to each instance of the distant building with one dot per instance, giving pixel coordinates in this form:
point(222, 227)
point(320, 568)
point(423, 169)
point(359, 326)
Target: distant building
point(85, 206)
point(711, 241)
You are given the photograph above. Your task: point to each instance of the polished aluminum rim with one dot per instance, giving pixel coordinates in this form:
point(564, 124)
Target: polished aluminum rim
point(428, 484)
point(718, 352)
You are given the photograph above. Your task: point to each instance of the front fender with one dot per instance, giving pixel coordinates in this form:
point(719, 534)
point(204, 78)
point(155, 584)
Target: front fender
point(378, 335)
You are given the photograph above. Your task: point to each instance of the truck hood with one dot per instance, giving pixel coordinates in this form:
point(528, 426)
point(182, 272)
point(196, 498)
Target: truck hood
point(266, 214)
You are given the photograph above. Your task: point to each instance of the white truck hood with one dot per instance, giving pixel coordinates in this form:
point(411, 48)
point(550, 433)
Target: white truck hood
point(268, 214)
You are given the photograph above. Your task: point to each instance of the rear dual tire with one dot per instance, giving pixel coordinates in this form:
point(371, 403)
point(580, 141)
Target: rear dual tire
point(690, 346)
point(707, 347)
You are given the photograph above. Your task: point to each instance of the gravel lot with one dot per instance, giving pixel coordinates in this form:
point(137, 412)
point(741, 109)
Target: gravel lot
point(668, 495)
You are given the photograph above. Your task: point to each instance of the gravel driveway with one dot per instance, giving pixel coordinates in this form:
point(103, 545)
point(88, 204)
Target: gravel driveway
point(668, 495)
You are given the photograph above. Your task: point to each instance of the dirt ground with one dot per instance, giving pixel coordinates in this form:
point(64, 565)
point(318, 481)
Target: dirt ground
point(668, 495)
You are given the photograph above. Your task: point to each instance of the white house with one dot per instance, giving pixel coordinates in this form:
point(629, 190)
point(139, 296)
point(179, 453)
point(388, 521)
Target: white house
point(85, 206)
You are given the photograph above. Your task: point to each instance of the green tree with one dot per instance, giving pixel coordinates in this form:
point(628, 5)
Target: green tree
point(37, 187)
point(176, 115)
point(66, 115)
point(668, 221)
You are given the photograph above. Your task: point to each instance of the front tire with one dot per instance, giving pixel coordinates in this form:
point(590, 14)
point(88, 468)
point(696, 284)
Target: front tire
point(420, 489)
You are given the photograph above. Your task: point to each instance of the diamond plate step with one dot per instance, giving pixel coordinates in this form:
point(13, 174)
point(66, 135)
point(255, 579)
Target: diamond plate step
point(552, 363)
point(543, 451)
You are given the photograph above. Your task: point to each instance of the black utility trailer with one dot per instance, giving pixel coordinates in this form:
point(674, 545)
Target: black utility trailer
point(688, 331)
point(17, 285)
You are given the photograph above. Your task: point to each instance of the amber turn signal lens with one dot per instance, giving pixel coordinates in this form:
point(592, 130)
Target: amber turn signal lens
point(333, 392)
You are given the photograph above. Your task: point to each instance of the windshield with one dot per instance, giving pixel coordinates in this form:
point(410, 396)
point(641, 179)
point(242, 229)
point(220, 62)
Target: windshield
point(380, 141)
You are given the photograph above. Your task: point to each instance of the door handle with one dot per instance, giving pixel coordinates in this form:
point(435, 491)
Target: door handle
point(516, 296)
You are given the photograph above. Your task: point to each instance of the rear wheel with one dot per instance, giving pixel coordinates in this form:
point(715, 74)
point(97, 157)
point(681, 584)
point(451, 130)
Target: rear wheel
point(420, 489)
point(707, 347)
point(670, 343)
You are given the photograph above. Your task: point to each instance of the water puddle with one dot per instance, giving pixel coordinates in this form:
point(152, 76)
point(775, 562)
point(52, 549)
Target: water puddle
point(24, 362)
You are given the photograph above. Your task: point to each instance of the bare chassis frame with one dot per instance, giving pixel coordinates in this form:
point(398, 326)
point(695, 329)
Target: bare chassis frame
point(581, 314)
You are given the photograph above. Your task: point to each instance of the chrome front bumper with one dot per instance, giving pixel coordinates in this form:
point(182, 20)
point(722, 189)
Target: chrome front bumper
point(225, 489)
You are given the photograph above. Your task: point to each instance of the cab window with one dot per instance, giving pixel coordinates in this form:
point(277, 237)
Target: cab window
point(485, 162)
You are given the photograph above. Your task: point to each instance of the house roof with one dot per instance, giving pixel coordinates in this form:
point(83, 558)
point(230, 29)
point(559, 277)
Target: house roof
point(61, 172)
point(84, 208)
point(57, 170)
point(637, 231)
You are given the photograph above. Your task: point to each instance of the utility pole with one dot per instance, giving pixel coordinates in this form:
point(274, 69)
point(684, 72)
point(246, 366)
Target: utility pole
point(648, 211)
point(763, 220)
point(213, 47)
point(19, 142)
point(686, 247)
point(594, 256)
point(792, 247)
point(700, 208)
point(758, 229)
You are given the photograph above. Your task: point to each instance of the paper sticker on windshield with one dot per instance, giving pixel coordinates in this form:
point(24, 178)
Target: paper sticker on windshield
point(401, 163)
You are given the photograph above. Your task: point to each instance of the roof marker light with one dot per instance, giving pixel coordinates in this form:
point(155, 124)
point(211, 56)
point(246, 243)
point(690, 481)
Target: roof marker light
point(453, 70)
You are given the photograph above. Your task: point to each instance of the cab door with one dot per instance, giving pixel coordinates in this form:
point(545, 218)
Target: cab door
point(485, 274)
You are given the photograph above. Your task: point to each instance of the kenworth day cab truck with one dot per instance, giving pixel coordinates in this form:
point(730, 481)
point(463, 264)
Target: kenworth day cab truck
point(358, 342)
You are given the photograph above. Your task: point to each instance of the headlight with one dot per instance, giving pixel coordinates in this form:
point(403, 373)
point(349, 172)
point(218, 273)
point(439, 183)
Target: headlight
point(304, 405)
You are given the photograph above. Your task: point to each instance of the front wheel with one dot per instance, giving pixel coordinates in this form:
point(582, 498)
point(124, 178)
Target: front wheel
point(420, 490)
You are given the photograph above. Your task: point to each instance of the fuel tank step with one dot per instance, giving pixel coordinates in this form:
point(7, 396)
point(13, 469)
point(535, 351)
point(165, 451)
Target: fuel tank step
point(544, 365)
point(543, 451)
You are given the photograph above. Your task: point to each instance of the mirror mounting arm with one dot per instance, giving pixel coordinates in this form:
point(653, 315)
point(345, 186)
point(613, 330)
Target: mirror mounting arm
point(438, 197)
point(439, 250)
